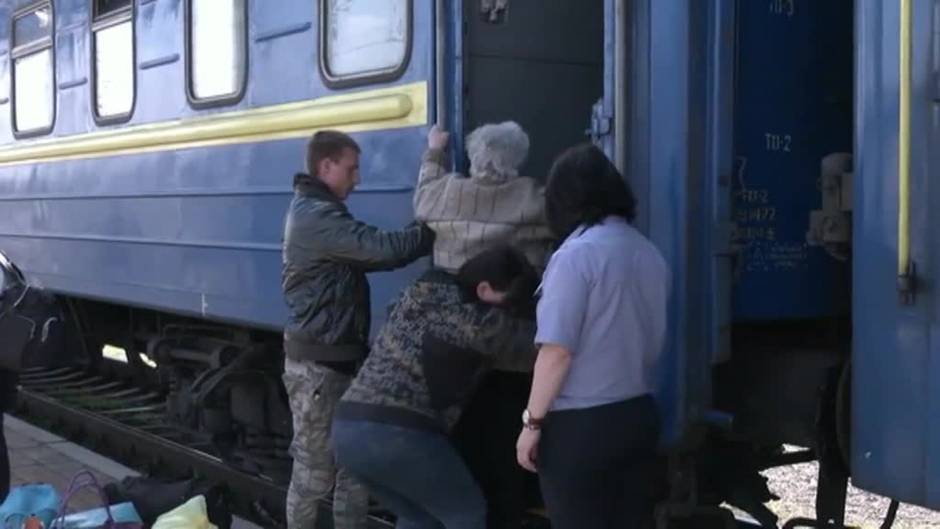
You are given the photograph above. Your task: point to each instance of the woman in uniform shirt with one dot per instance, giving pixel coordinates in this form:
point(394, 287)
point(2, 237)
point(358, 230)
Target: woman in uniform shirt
point(591, 426)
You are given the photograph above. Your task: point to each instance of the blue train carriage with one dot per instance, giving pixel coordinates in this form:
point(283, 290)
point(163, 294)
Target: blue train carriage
point(782, 147)
point(149, 150)
point(149, 147)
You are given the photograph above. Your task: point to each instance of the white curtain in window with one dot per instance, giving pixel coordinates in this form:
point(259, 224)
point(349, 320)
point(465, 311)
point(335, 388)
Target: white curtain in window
point(32, 91)
point(365, 36)
point(217, 47)
point(114, 69)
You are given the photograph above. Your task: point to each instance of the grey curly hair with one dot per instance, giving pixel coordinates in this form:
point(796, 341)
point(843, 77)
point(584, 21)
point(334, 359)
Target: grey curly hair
point(497, 150)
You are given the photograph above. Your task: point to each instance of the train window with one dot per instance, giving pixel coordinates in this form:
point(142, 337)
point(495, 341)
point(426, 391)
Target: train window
point(364, 40)
point(107, 7)
point(217, 52)
point(113, 66)
point(33, 96)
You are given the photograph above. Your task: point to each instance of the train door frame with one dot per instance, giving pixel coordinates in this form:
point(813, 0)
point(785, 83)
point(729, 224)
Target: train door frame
point(448, 73)
point(669, 71)
point(539, 65)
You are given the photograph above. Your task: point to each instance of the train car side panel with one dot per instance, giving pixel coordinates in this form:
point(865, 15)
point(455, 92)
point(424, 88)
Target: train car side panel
point(895, 444)
point(181, 209)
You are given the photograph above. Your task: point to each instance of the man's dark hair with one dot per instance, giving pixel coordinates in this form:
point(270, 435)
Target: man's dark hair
point(506, 269)
point(584, 187)
point(327, 144)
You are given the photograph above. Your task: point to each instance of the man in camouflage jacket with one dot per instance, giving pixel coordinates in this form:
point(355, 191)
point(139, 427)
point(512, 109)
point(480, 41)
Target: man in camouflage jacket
point(441, 336)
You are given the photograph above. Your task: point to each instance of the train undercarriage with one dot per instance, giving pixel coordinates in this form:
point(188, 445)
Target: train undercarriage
point(178, 397)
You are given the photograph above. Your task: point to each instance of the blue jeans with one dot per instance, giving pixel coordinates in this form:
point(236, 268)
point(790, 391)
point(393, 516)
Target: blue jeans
point(416, 474)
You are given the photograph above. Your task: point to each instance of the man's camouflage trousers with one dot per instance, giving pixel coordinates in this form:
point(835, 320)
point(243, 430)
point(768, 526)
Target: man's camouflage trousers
point(314, 391)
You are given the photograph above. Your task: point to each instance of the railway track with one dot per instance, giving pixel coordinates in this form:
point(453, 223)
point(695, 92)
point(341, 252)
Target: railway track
point(112, 417)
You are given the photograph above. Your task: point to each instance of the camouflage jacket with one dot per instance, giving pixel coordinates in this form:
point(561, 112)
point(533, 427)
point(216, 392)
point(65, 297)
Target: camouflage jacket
point(431, 354)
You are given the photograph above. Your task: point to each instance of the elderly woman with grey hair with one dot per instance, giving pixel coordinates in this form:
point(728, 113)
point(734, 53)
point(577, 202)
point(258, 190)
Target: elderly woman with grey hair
point(493, 206)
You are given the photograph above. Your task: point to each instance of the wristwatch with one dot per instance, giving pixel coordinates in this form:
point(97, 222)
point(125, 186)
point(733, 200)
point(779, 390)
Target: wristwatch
point(530, 422)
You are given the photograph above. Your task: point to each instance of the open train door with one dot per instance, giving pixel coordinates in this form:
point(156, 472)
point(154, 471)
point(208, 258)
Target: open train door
point(895, 442)
point(669, 68)
point(632, 76)
point(538, 63)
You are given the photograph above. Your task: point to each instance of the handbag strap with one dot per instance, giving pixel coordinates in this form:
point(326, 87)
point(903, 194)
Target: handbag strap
point(77, 484)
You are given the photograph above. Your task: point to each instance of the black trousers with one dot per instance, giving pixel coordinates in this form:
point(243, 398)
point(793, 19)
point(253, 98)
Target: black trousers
point(4, 464)
point(486, 438)
point(8, 383)
point(597, 465)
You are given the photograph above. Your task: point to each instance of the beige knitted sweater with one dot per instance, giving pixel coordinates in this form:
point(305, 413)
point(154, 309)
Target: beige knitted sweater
point(470, 215)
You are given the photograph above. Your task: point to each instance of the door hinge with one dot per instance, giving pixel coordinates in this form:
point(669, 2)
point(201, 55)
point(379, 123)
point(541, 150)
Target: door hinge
point(602, 123)
point(494, 11)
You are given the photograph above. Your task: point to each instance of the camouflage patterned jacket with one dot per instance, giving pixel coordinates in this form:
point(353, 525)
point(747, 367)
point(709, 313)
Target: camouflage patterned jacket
point(431, 354)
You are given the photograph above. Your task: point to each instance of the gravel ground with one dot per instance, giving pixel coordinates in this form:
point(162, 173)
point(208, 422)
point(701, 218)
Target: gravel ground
point(796, 486)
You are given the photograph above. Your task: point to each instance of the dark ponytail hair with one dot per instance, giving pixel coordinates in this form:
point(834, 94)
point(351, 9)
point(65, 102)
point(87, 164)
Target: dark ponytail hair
point(584, 187)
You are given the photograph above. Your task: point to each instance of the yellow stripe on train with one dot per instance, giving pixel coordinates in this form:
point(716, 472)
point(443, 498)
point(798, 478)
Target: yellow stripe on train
point(381, 109)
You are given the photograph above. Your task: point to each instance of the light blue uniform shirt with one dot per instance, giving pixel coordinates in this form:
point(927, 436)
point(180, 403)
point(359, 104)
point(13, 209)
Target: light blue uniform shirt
point(603, 297)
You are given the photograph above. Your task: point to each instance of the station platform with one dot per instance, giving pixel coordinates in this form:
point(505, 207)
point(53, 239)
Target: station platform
point(37, 456)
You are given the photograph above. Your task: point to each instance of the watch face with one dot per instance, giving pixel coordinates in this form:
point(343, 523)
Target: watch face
point(525, 416)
